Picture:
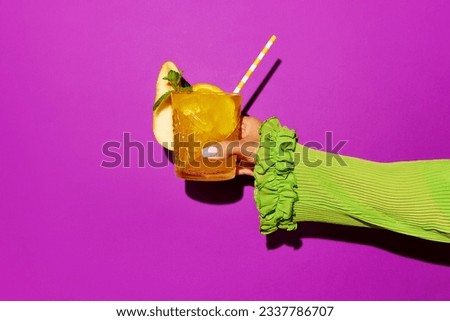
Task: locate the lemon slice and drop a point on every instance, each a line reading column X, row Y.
column 163, row 115
column 204, row 87
column 211, row 117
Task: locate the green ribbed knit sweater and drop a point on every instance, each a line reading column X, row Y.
column 410, row 197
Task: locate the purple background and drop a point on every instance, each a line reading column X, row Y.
column 76, row 74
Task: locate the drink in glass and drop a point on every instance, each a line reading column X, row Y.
column 201, row 119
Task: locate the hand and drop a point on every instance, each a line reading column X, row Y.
column 245, row 148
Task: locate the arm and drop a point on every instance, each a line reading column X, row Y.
column 406, row 197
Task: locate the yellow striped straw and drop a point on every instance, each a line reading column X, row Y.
column 255, row 64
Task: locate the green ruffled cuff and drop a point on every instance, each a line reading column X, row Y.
column 275, row 183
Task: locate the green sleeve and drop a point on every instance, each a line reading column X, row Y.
column 294, row 183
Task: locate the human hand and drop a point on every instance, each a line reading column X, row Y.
column 245, row 148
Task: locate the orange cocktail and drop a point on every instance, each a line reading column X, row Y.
column 202, row 119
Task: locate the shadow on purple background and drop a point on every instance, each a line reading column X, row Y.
column 260, row 87
column 404, row 245
column 222, row 192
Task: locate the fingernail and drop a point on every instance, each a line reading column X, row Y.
column 210, row 151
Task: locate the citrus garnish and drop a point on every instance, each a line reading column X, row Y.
column 204, row 87
column 208, row 112
column 209, row 116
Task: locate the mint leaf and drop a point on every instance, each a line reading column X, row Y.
column 161, row 99
column 177, row 82
column 173, row 77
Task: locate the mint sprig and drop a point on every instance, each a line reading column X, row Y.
column 177, row 82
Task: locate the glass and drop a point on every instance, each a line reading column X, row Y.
column 201, row 119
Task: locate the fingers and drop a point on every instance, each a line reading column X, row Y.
column 243, row 149
column 250, row 128
column 244, row 171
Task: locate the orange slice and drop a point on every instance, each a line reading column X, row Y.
column 204, row 87
column 163, row 115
